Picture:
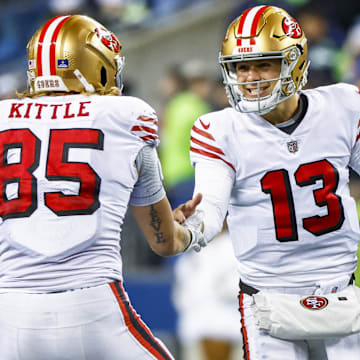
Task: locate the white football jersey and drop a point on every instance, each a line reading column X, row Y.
column 291, row 218
column 67, row 172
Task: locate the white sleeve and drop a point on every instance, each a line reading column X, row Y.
column 355, row 158
column 214, row 181
column 349, row 95
column 355, row 152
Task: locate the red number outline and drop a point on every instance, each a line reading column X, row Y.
column 277, row 184
column 308, row 174
column 58, row 168
column 284, row 216
column 21, row 172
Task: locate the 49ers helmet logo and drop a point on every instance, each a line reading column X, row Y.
column 108, row 39
column 314, row 302
column 291, row 28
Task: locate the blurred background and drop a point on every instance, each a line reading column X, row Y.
column 171, row 49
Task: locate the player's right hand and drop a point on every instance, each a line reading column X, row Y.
column 184, row 211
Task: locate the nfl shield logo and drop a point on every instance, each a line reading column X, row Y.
column 293, row 146
column 63, row 63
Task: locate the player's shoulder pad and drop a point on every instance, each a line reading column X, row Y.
column 346, row 89
column 211, row 122
column 137, row 116
column 344, row 94
column 350, row 95
column 208, row 138
column 128, row 104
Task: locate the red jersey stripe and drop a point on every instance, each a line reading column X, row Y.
column 143, row 128
column 53, row 45
column 211, row 155
column 358, row 137
column 203, row 133
column 207, row 146
column 40, row 43
column 149, row 137
column 148, row 118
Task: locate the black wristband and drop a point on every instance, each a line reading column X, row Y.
column 191, row 238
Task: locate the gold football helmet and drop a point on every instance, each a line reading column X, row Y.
column 74, row 53
column 264, row 32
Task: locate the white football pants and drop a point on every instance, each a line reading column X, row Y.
column 95, row 323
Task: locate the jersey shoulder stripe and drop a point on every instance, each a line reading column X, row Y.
column 211, row 156
column 137, row 116
column 146, row 128
column 203, row 143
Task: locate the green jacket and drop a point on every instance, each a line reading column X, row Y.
column 179, row 117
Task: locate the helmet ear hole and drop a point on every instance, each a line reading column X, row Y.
column 103, row 76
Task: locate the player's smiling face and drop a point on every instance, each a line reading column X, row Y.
column 255, row 70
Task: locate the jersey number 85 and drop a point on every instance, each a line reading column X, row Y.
column 58, row 168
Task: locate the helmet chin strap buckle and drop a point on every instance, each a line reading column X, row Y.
column 88, row 87
column 291, row 88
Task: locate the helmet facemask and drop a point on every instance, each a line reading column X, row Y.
column 120, row 63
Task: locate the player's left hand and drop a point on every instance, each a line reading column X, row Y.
column 184, row 211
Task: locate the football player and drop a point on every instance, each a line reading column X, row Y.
column 74, row 155
column 278, row 162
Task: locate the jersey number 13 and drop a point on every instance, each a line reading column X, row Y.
column 277, row 184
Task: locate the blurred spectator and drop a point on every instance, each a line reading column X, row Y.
column 204, row 297
column 339, row 14
column 218, row 98
column 67, row 7
column 357, row 272
column 178, row 117
column 106, row 10
column 324, row 37
column 351, row 63
column 9, row 83
column 18, row 18
column 124, row 14
column 172, row 83
column 162, row 8
column 288, row 5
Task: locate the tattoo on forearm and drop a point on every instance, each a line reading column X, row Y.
column 156, row 223
column 160, row 237
column 155, row 220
